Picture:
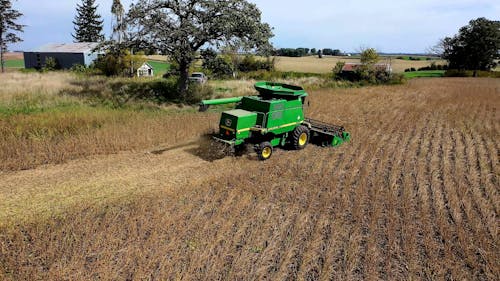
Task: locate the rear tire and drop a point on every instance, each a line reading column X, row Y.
column 264, row 150
column 300, row 137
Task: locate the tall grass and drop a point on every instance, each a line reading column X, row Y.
column 54, row 117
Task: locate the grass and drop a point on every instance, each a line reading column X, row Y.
column 413, row 196
column 15, row 63
column 159, row 67
column 53, row 118
column 424, row 73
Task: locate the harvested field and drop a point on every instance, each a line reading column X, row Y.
column 313, row 64
column 415, row 195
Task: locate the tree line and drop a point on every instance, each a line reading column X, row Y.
column 302, row 52
column 181, row 28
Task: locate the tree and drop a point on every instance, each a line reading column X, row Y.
column 8, row 28
column 119, row 25
column 475, row 47
column 179, row 28
column 88, row 23
column 369, row 56
column 119, row 61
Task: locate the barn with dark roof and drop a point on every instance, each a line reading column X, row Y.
column 66, row 55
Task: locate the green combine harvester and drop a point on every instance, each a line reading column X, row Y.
column 273, row 118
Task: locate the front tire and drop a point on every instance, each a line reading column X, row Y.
column 300, row 137
column 264, row 151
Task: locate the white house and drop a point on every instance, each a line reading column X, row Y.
column 146, row 70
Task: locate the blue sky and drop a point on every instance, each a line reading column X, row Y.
column 387, row 25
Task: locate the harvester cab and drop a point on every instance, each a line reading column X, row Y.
column 273, row 118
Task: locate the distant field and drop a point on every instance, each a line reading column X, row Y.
column 14, row 63
column 424, row 73
column 14, row 60
column 314, row 64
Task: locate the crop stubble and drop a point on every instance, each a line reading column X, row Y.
column 413, row 196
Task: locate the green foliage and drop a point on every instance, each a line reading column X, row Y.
column 119, row 93
column 431, row 67
column 369, row 56
column 198, row 92
column 14, row 63
column 475, row 47
column 250, row 63
column 424, row 73
column 331, row 52
column 290, row 52
column 471, row 73
column 219, row 67
column 337, row 70
column 171, row 32
column 51, row 64
column 88, row 23
column 9, row 29
column 279, row 75
column 119, row 62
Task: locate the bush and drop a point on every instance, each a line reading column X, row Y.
column 337, row 70
column 118, row 93
column 51, row 64
column 198, row 92
column 277, row 75
column 471, row 73
column 434, row 66
column 120, row 62
column 249, row 63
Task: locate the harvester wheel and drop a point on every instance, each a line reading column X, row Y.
column 300, row 137
column 264, row 151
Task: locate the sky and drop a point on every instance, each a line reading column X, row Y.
column 390, row 26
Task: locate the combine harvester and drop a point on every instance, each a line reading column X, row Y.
column 273, row 118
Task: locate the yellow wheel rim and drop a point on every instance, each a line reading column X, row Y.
column 302, row 139
column 266, row 152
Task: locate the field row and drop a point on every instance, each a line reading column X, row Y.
column 415, row 195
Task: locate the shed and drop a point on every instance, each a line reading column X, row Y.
column 66, row 55
column 146, row 70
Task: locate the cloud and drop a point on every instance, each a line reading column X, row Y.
column 389, row 25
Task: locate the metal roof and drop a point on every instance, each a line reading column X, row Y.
column 67, row 48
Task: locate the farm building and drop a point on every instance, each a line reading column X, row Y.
column 146, row 70
column 66, row 55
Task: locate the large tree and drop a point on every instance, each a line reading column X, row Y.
column 119, row 26
column 8, row 28
column 475, row 47
column 179, row 28
column 88, row 23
